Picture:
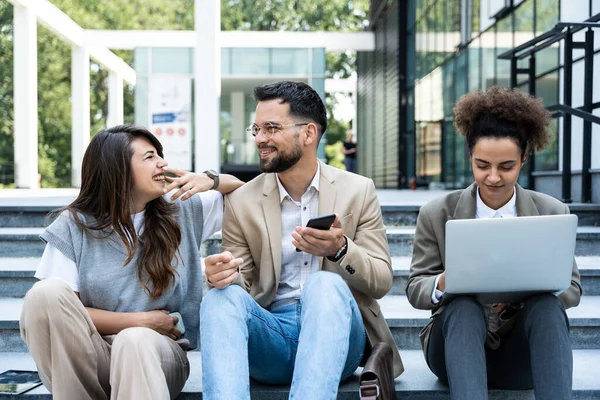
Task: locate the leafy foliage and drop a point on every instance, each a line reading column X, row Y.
column 294, row 15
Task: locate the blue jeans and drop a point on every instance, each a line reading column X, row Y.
column 535, row 353
column 350, row 164
column 313, row 344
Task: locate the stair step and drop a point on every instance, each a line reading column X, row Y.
column 16, row 275
column 20, row 212
column 589, row 269
column 404, row 321
column 416, row 383
column 25, row 242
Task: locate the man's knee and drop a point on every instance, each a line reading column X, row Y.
column 325, row 294
column 323, row 283
column 217, row 302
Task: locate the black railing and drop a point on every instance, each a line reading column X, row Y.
column 564, row 31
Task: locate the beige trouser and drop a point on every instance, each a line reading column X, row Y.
column 75, row 362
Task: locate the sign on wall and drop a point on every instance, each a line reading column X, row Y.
column 170, row 108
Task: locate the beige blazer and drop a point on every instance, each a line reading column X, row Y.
column 252, row 231
column 429, row 252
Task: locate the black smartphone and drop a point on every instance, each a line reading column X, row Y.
column 323, row 223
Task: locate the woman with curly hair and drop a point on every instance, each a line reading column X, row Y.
column 118, row 260
column 506, row 346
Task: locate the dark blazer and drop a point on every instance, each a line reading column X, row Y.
column 252, row 231
column 429, row 251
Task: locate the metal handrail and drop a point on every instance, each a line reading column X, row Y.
column 564, row 31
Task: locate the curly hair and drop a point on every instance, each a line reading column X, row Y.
column 500, row 112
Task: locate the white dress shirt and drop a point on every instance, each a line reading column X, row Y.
column 295, row 266
column 509, row 210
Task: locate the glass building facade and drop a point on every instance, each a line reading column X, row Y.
column 431, row 52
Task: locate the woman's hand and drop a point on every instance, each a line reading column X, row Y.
column 161, row 322
column 441, row 286
column 188, row 183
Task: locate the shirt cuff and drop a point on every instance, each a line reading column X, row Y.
column 436, row 295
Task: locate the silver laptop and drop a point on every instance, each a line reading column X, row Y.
column 504, row 260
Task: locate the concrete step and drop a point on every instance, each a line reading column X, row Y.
column 416, row 383
column 397, row 215
column 16, row 275
column 401, row 241
column 25, row 242
column 404, row 321
column 19, row 213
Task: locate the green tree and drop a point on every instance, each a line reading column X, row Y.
column 54, row 74
column 294, row 15
column 6, row 91
column 54, row 59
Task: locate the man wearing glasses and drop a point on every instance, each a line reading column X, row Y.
column 302, row 306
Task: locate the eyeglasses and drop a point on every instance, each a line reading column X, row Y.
column 268, row 130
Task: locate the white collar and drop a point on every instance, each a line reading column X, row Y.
column 314, row 183
column 508, row 210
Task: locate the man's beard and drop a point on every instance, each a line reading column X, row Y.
column 282, row 162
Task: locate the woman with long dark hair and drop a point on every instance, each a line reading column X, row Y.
column 119, row 261
column 507, row 346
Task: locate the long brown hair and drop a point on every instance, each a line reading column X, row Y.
column 106, row 196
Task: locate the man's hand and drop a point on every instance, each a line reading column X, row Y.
column 161, row 322
column 188, row 183
column 318, row 242
column 222, row 269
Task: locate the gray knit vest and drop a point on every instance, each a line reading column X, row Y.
column 105, row 283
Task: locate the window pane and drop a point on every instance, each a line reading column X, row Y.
column 547, row 88
column 452, row 18
column 524, row 23
column 429, row 143
column 448, row 72
column 172, row 61
column 547, row 159
column 289, row 62
column 449, row 154
column 488, row 58
column 474, row 64
column 475, row 10
column 547, row 17
column 547, row 12
column 249, row 61
column 504, row 42
column 226, row 61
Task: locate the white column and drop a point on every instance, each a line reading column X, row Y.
column 115, row 100
column 355, row 108
column 207, row 85
column 238, row 126
column 80, row 109
column 25, row 97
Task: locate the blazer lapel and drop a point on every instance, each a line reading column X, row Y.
column 525, row 205
column 327, row 194
column 467, row 204
column 272, row 213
